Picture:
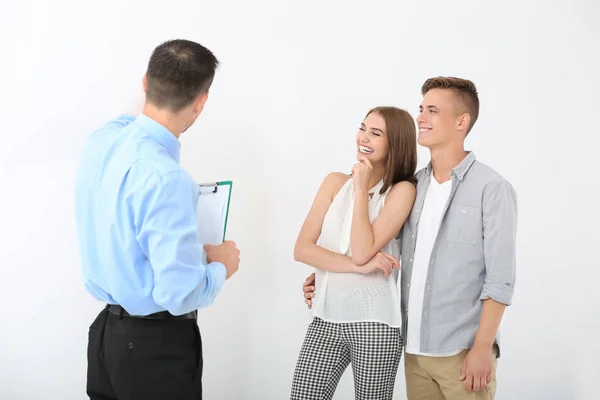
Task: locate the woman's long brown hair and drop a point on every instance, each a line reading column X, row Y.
column 402, row 144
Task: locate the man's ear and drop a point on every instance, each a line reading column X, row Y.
column 463, row 122
column 200, row 101
column 144, row 83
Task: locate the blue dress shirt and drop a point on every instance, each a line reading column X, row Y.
column 136, row 222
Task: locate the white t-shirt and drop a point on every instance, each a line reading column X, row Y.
column 354, row 297
column 429, row 223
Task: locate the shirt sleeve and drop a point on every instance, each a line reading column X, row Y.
column 167, row 231
column 499, row 242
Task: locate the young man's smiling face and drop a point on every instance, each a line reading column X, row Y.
column 442, row 119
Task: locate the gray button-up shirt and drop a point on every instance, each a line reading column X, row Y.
column 473, row 257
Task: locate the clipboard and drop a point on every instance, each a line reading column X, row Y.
column 212, row 211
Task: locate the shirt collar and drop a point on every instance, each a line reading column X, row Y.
column 161, row 134
column 461, row 169
column 376, row 189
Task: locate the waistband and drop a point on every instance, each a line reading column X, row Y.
column 163, row 315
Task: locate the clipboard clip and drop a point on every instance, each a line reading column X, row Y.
column 215, row 184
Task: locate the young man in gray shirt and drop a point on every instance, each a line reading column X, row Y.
column 458, row 255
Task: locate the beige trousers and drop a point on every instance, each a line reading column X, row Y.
column 438, row 378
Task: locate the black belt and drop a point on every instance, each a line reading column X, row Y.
column 163, row 315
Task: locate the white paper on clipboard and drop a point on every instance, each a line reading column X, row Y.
column 212, row 209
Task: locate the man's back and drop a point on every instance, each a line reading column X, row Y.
column 128, row 176
column 139, row 242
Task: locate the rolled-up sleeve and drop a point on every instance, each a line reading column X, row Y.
column 167, row 232
column 499, row 242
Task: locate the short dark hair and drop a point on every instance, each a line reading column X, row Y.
column 464, row 89
column 178, row 72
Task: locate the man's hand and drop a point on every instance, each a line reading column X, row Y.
column 226, row 253
column 477, row 368
column 381, row 262
column 308, row 287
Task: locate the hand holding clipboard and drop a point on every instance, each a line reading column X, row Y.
column 212, row 212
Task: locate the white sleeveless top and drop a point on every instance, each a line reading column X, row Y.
column 354, row 297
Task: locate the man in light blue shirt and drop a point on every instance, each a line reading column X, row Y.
column 138, row 238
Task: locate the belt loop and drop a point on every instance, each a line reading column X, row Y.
column 120, row 313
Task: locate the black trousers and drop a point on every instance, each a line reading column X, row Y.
column 134, row 358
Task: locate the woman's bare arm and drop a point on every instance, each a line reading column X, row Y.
column 366, row 240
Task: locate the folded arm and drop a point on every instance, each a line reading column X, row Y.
column 366, row 239
column 306, row 250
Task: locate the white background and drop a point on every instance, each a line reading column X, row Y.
column 295, row 82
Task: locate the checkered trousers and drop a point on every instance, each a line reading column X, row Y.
column 374, row 350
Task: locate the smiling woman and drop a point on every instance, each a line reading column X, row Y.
column 349, row 238
column 292, row 74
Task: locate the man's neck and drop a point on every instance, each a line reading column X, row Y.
column 444, row 160
column 165, row 118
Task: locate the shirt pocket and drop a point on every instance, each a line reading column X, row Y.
column 463, row 224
